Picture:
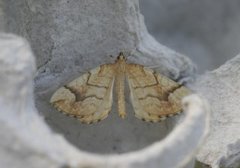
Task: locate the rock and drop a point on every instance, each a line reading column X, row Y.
column 221, row 87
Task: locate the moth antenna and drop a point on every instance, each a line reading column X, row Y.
column 130, row 53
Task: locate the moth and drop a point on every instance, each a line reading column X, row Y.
column 90, row 96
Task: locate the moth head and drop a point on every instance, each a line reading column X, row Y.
column 121, row 57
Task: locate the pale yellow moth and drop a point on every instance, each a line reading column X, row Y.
column 89, row 97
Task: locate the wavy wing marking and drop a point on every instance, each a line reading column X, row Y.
column 154, row 97
column 89, row 97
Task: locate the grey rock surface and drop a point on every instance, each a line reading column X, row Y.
column 28, row 141
column 69, row 38
column 75, row 38
column 84, row 36
column 221, row 88
column 78, row 35
column 17, row 113
column 206, row 31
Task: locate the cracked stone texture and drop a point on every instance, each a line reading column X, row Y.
column 69, row 38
